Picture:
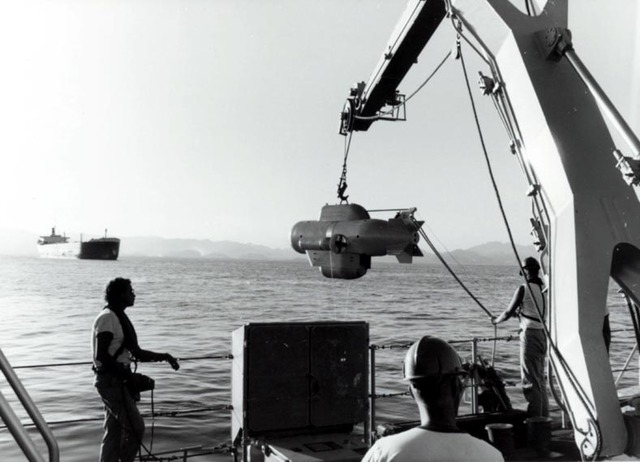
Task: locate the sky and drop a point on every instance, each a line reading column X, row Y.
column 218, row 119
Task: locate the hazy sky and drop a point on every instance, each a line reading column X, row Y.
column 218, row 119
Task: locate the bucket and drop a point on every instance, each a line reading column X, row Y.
column 501, row 436
column 539, row 434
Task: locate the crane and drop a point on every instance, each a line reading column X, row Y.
column 586, row 215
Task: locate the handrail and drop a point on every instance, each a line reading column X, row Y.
column 89, row 363
column 371, row 424
column 15, row 427
column 405, row 345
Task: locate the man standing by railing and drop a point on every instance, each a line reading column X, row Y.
column 115, row 346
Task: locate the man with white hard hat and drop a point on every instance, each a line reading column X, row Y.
column 433, row 369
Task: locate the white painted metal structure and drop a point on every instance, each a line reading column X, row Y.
column 589, row 215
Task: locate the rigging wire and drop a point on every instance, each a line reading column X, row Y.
column 414, row 93
column 455, row 276
column 447, row 251
column 428, row 78
column 486, row 154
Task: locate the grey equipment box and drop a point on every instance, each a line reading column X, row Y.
column 302, row 378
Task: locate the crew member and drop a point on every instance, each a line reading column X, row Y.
column 433, row 369
column 529, row 304
column 114, row 347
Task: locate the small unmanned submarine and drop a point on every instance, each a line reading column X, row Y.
column 345, row 238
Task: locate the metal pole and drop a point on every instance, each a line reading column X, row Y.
column 18, row 431
column 604, row 102
column 474, row 382
column 31, row 408
column 626, row 364
column 372, row 400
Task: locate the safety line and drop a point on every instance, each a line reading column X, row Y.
column 89, row 363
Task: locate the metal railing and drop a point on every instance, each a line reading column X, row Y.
column 473, row 385
column 18, row 431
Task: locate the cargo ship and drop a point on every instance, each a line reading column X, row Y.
column 59, row 246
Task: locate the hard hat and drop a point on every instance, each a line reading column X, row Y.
column 431, row 357
column 531, row 262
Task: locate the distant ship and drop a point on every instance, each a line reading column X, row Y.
column 58, row 246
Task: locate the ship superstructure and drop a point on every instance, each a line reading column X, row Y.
column 57, row 246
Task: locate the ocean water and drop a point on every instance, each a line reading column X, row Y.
column 189, row 307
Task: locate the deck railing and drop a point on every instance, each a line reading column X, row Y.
column 15, row 426
column 26, row 444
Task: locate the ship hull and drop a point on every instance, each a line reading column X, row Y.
column 107, row 248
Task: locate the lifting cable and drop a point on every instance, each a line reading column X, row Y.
column 342, row 183
column 580, row 393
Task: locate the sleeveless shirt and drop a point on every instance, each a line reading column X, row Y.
column 529, row 317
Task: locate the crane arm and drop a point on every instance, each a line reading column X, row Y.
column 417, row 25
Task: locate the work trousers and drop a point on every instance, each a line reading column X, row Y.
column 123, row 424
column 533, row 351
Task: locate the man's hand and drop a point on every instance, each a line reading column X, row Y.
column 173, row 362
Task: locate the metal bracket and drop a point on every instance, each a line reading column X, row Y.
column 488, row 85
column 629, row 167
column 554, row 42
column 351, row 106
column 537, row 233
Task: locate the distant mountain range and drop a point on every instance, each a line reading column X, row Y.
column 21, row 243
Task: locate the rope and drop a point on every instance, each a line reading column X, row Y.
column 486, row 154
column 455, row 276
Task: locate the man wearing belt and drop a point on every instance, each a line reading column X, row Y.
column 114, row 346
column 529, row 305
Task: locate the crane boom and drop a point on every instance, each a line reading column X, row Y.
column 418, row 23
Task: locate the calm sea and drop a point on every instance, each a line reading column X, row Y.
column 189, row 307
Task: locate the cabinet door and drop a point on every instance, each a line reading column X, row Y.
column 277, row 392
column 338, row 374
